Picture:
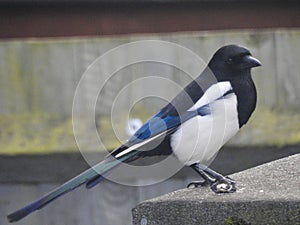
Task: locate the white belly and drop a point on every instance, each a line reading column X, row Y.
column 200, row 138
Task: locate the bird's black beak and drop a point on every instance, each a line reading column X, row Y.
column 250, row 62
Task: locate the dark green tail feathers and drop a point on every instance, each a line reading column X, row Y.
column 89, row 177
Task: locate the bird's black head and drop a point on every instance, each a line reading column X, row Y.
column 232, row 61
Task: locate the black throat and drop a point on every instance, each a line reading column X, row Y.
column 244, row 88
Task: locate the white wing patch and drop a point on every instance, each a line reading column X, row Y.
column 200, row 138
column 212, row 93
column 138, row 145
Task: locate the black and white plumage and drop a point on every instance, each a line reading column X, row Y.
column 193, row 126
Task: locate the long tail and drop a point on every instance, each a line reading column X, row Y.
column 85, row 177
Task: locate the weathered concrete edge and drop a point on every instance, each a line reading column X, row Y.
column 274, row 212
column 267, row 194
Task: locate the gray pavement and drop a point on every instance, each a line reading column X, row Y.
column 267, row 194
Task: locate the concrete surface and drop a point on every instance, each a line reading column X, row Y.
column 267, row 194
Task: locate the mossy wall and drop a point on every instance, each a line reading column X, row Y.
column 38, row 79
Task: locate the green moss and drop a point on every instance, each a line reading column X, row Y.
column 270, row 128
column 32, row 133
column 14, row 75
column 235, row 221
column 107, row 134
column 256, row 39
column 44, row 133
column 113, row 133
column 21, row 83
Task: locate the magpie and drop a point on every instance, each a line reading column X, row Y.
column 193, row 126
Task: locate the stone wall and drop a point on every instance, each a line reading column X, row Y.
column 38, row 79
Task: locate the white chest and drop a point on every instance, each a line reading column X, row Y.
column 200, row 138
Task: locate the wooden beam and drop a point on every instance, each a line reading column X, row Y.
column 59, row 20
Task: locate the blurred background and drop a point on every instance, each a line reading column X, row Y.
column 45, row 48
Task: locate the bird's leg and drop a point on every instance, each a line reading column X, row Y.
column 218, row 183
column 207, row 180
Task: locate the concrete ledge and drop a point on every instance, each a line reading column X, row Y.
column 267, row 194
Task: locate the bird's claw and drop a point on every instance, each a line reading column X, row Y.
column 196, row 184
column 226, row 185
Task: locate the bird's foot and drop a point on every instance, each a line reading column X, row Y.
column 196, row 184
column 223, row 185
column 218, row 183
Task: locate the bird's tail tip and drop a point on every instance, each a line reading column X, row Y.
column 14, row 217
column 18, row 215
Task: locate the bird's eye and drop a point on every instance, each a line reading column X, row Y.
column 229, row 60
